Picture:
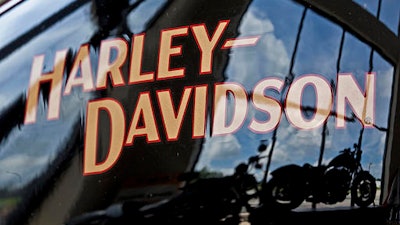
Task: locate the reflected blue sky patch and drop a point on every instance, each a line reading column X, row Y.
column 47, row 43
column 17, row 157
column 17, row 23
column 139, row 18
column 318, row 53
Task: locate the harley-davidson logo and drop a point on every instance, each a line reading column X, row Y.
column 113, row 55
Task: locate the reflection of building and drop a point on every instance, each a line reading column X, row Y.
column 342, row 20
column 382, row 40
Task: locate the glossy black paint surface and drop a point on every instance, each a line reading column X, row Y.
column 42, row 178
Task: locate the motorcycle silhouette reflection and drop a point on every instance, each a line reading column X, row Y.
column 216, row 200
column 290, row 185
column 220, row 200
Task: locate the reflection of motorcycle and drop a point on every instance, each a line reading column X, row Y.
column 216, row 200
column 329, row 184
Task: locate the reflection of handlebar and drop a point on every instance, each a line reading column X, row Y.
column 261, row 157
column 256, row 158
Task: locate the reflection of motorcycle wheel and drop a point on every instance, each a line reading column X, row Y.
column 363, row 190
column 284, row 193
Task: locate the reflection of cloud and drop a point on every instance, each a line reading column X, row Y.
column 18, row 155
column 268, row 58
column 19, row 168
column 224, row 147
column 296, row 137
column 217, row 148
column 2, row 99
column 255, row 22
column 297, row 146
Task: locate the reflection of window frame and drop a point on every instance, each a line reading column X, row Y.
column 352, row 17
column 361, row 23
column 39, row 28
column 6, row 5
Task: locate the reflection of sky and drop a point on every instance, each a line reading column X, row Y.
column 317, row 54
column 17, row 155
column 19, row 162
column 11, row 24
column 137, row 20
column 318, row 50
column 19, row 62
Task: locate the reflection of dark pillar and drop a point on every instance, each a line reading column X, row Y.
column 392, row 154
column 322, row 149
column 288, row 81
column 109, row 13
column 12, row 117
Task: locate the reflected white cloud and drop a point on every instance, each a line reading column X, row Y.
column 3, row 98
column 16, row 170
column 17, row 155
column 297, row 146
column 268, row 58
column 217, row 148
